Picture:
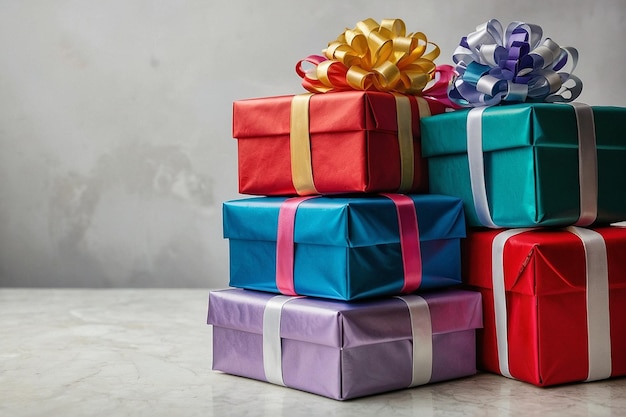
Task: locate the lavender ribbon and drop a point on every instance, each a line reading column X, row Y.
column 494, row 66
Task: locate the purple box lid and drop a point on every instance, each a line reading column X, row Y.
column 345, row 324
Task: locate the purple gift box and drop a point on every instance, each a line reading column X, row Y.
column 342, row 349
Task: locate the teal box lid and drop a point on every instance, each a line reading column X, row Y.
column 518, row 125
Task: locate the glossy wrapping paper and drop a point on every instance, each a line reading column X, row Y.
column 545, row 283
column 344, row 350
column 353, row 143
column 531, row 163
column 346, row 248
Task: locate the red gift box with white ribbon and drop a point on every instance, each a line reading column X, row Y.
column 554, row 302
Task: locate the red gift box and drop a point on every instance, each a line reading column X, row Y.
column 554, row 302
column 354, row 146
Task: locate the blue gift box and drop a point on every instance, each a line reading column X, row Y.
column 345, row 247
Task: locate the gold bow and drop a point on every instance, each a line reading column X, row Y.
column 377, row 57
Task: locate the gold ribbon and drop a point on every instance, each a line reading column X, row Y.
column 300, row 145
column 405, row 142
column 300, row 142
column 379, row 57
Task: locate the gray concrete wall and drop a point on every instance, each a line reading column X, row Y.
column 115, row 117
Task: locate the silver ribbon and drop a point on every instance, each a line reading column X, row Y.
column 499, row 297
column 587, row 164
column 598, row 317
column 422, row 336
column 272, row 345
column 477, row 166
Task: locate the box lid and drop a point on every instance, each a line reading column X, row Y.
column 517, row 125
column 344, row 221
column 344, row 324
column 339, row 111
column 543, row 261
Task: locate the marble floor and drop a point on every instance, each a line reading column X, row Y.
column 120, row 352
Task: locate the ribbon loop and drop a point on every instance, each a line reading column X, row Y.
column 510, row 59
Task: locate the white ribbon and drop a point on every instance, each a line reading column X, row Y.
column 598, row 318
column 422, row 336
column 272, row 345
column 587, row 165
column 477, row 165
column 499, row 297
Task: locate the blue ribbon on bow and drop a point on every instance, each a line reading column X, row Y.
column 515, row 65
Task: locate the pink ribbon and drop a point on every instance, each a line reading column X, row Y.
column 285, row 244
column 409, row 241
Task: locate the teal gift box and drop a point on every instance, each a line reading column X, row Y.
column 344, row 247
column 530, row 164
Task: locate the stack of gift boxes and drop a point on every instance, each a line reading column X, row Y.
column 352, row 271
column 541, row 183
column 362, row 257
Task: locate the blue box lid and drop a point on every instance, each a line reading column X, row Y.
column 344, row 220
